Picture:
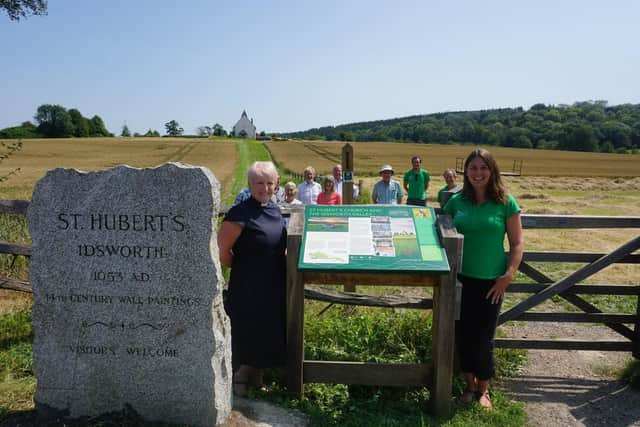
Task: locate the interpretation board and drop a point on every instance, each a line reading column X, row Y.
column 128, row 295
column 389, row 238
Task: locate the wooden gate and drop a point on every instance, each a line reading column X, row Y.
column 570, row 287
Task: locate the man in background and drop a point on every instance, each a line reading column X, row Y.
column 387, row 191
column 337, row 175
column 416, row 182
column 308, row 189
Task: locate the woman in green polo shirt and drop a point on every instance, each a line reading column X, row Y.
column 483, row 212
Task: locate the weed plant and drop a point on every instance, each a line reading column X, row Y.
column 13, row 229
column 383, row 336
column 17, row 379
column 631, row 373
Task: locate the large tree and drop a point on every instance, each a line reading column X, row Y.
column 17, row 9
column 97, row 127
column 218, row 130
column 80, row 123
column 54, row 121
column 578, row 137
column 173, row 128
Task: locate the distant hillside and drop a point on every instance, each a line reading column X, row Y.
column 583, row 126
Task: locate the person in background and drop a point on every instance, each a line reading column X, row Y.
column 290, row 191
column 483, row 212
column 337, row 175
column 278, row 194
column 387, row 191
column 416, row 183
column 451, row 184
column 252, row 241
column 308, row 189
column 329, row 196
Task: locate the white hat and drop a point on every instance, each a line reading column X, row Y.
column 386, row 168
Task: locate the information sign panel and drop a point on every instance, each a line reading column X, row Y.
column 371, row 238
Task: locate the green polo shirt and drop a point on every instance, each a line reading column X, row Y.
column 415, row 183
column 483, row 227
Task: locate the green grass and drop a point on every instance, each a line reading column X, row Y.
column 16, row 333
column 13, row 228
column 384, row 336
column 17, row 379
column 248, row 151
column 367, row 335
column 631, row 373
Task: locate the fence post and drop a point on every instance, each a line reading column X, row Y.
column 347, row 171
column 444, row 314
column 295, row 306
column 347, row 187
column 636, row 329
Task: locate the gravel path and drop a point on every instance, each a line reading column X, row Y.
column 573, row 387
column 257, row 413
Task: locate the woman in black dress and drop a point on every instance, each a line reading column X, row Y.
column 252, row 241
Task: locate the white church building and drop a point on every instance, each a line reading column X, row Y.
column 245, row 127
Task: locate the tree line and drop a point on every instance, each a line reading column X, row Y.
column 55, row 121
column 584, row 126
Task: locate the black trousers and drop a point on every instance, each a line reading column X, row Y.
column 477, row 328
column 417, row 202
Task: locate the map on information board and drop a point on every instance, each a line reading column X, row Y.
column 371, row 238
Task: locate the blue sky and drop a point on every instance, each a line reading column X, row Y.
column 294, row 65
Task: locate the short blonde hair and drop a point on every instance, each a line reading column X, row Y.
column 309, row 169
column 291, row 186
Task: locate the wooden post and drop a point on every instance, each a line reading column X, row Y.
column 295, row 306
column 636, row 338
column 347, row 187
column 347, row 174
column 444, row 314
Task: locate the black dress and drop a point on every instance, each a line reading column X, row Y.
column 256, row 297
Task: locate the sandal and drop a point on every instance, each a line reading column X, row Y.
column 467, row 397
column 262, row 388
column 485, row 401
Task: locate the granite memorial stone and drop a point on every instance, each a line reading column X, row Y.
column 128, row 304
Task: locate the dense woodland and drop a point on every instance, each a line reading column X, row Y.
column 583, row 126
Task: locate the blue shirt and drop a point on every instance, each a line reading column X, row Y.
column 387, row 194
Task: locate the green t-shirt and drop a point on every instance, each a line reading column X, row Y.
column 483, row 227
column 415, row 183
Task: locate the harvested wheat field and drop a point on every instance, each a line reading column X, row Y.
column 90, row 154
column 368, row 156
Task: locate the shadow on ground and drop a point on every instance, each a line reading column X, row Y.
column 556, row 400
column 245, row 413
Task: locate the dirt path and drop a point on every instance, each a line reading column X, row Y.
column 573, row 387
